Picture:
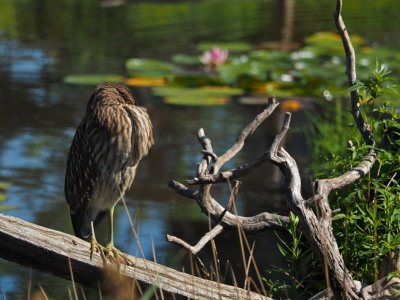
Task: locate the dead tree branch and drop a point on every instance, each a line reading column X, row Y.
column 201, row 243
column 206, row 175
column 230, row 153
column 317, row 228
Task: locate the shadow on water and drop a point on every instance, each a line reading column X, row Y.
column 42, row 41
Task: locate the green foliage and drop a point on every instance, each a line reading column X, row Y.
column 378, row 84
column 368, row 226
column 298, row 276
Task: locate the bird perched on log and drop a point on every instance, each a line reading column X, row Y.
column 113, row 136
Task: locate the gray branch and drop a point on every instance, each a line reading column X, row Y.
column 230, row 153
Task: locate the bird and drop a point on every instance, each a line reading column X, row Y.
column 111, row 139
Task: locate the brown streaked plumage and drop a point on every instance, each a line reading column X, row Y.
column 111, row 139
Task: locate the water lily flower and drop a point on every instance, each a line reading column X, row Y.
column 214, row 58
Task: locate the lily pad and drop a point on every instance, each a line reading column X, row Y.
column 207, row 95
column 187, row 60
column 147, row 67
column 145, row 82
column 195, row 79
column 196, row 101
column 323, row 38
column 219, row 91
column 92, row 79
column 231, row 47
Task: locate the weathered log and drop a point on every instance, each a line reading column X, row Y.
column 50, row 251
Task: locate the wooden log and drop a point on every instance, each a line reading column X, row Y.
column 49, row 250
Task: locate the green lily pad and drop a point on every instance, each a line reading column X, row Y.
column 196, row 101
column 328, row 37
column 231, row 47
column 207, row 95
column 188, row 60
column 147, row 67
column 92, row 79
column 194, row 80
column 217, row 91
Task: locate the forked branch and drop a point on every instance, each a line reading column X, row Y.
column 209, row 174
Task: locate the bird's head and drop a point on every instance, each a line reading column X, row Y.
column 110, row 93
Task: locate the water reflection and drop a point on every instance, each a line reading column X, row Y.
column 42, row 41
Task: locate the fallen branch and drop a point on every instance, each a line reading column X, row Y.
column 49, row 251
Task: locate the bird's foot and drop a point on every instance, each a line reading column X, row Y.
column 95, row 246
column 113, row 253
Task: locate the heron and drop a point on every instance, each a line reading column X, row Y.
column 111, row 139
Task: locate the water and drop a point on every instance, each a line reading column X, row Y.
column 43, row 41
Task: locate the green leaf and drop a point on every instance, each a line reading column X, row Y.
column 147, row 67
column 338, row 217
column 184, row 59
column 92, row 79
column 207, row 95
column 282, row 251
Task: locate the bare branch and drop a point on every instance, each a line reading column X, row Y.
column 351, row 75
column 206, row 145
column 246, row 168
column 272, row 104
column 230, row 174
column 280, row 135
column 211, row 234
column 318, row 231
column 325, row 186
column 201, row 243
column 252, row 224
column 182, row 189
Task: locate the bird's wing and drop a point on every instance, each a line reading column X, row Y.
column 80, row 177
column 142, row 131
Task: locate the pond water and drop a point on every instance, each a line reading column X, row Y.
column 43, row 41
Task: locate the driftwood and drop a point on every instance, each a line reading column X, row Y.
column 315, row 225
column 53, row 252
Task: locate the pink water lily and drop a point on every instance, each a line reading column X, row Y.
column 214, row 58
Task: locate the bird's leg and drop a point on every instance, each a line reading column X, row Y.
column 110, row 247
column 95, row 245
